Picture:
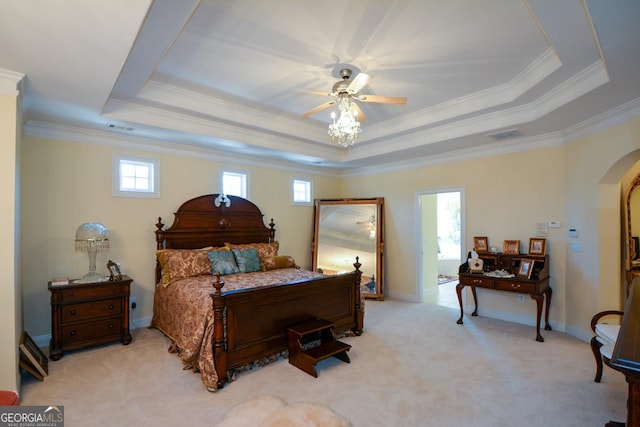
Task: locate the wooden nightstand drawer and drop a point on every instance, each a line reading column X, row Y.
column 86, row 314
column 93, row 310
column 479, row 280
column 515, row 286
column 91, row 330
column 94, row 291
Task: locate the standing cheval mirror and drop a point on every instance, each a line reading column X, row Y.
column 632, row 232
column 348, row 228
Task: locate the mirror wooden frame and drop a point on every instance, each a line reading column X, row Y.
column 378, row 283
column 629, row 244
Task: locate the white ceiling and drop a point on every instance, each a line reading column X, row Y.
column 230, row 77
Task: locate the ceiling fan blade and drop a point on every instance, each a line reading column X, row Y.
column 318, row 108
column 360, row 81
column 361, row 117
column 319, row 92
column 399, row 100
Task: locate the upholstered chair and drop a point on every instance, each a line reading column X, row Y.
column 604, row 339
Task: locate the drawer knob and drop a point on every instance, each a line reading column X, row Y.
column 110, row 325
column 477, row 281
column 110, row 306
column 73, row 333
column 73, row 312
column 515, row 286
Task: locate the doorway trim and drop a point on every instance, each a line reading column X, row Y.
column 419, row 228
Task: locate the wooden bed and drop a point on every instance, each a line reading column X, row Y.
column 250, row 324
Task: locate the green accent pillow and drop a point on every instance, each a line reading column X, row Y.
column 247, row 260
column 223, row 262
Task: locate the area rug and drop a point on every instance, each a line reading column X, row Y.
column 272, row 411
column 442, row 279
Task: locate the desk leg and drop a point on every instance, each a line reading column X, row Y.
column 475, row 301
column 539, row 299
column 459, row 288
column 547, row 326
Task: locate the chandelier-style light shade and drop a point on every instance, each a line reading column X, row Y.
column 92, row 238
column 345, row 130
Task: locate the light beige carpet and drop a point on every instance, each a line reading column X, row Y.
column 412, row 366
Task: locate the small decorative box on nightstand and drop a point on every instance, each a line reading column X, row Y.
column 86, row 314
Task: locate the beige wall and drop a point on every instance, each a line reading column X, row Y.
column 10, row 290
column 66, row 184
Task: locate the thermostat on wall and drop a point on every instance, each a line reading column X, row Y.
column 573, row 232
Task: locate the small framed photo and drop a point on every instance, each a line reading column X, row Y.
column 481, row 244
column 114, row 271
column 526, row 267
column 511, row 247
column 537, row 246
column 32, row 359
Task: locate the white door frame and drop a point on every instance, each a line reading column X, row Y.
column 419, row 226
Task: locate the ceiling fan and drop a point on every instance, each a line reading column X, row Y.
column 347, row 88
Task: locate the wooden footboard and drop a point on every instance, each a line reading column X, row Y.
column 252, row 324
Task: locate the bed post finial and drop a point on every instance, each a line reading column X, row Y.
column 219, row 338
column 272, row 231
column 159, row 233
column 359, row 314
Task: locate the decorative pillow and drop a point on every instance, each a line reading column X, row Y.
column 265, row 250
column 223, row 262
column 181, row 263
column 281, row 261
column 247, row 260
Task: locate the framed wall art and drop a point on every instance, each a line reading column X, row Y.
column 481, row 244
column 511, row 247
column 537, row 246
column 32, row 359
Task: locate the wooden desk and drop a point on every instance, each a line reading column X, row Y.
column 626, row 355
column 536, row 288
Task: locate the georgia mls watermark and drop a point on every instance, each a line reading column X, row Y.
column 31, row 416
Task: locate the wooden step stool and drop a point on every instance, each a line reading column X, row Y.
column 318, row 329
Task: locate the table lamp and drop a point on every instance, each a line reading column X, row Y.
column 92, row 238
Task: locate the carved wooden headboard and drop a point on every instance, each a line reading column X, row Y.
column 208, row 221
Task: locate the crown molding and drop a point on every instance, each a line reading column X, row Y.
column 609, row 119
column 10, row 82
column 534, row 74
column 216, row 132
column 48, row 130
column 226, row 110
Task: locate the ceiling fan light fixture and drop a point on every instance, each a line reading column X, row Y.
column 346, row 128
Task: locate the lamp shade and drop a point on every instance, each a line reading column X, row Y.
column 92, row 238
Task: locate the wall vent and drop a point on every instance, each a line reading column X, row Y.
column 505, row 134
column 119, row 127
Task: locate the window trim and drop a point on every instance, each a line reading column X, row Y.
column 115, row 177
column 303, row 203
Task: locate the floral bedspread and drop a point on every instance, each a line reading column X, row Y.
column 183, row 311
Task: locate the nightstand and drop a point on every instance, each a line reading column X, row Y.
column 86, row 314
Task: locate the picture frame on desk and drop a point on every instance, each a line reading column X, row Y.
column 511, row 247
column 526, row 268
column 481, row 244
column 114, row 271
column 537, row 246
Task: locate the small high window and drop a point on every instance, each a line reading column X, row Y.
column 135, row 177
column 301, row 191
column 234, row 183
